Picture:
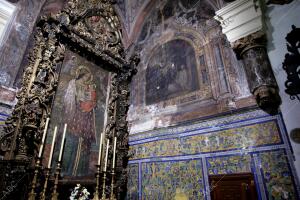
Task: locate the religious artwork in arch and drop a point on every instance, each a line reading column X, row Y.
column 171, row 71
column 79, row 102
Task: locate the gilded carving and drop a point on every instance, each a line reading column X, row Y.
column 91, row 29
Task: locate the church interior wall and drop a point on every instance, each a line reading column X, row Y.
column 177, row 160
column 167, row 148
column 281, row 19
column 212, row 125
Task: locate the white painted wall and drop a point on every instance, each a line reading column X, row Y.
column 279, row 20
column 7, row 11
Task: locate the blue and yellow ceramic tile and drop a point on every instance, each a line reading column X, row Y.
column 235, row 138
column 277, row 176
column 172, row 180
column 229, row 164
column 133, row 182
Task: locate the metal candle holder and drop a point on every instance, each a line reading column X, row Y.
column 55, row 194
column 96, row 194
column 43, row 194
column 32, row 194
column 112, row 195
column 103, row 187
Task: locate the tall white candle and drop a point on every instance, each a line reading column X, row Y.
column 114, row 155
column 106, row 156
column 106, row 102
column 44, row 137
column 100, row 149
column 52, row 147
column 62, row 143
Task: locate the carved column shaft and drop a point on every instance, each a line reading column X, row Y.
column 261, row 80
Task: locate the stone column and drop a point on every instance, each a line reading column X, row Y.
column 242, row 22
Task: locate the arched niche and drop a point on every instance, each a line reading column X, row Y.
column 171, row 71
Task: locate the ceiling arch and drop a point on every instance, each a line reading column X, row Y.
column 204, row 8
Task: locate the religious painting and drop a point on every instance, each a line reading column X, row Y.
column 171, row 71
column 80, row 103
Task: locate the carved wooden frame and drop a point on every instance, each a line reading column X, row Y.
column 54, row 34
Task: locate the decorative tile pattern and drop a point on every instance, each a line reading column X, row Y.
column 3, row 117
column 236, row 138
column 174, row 157
column 277, row 176
column 133, row 182
column 172, row 180
column 229, row 164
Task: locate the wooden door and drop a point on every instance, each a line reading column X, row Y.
column 232, row 187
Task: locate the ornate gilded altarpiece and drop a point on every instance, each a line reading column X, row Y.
column 89, row 30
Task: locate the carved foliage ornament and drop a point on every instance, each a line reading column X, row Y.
column 24, row 128
column 291, row 63
column 93, row 23
column 91, row 29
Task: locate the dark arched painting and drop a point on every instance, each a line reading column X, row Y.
column 171, row 71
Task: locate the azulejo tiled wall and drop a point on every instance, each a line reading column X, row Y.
column 3, row 118
column 178, row 178
column 175, row 162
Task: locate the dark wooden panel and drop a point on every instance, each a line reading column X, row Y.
column 233, row 187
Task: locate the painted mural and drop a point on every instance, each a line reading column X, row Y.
column 79, row 102
column 13, row 49
column 277, row 176
column 187, row 68
column 244, row 137
column 171, row 71
column 172, row 180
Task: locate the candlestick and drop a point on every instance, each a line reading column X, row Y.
column 100, row 150
column 104, row 186
column 32, row 194
column 62, row 143
column 112, row 195
column 106, row 156
column 55, row 194
column 43, row 194
column 114, row 155
column 44, row 137
column 52, row 147
column 96, row 193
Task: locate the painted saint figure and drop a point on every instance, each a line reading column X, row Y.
column 80, row 101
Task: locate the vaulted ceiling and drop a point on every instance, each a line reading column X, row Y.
column 135, row 14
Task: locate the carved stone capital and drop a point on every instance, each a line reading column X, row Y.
column 257, row 39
